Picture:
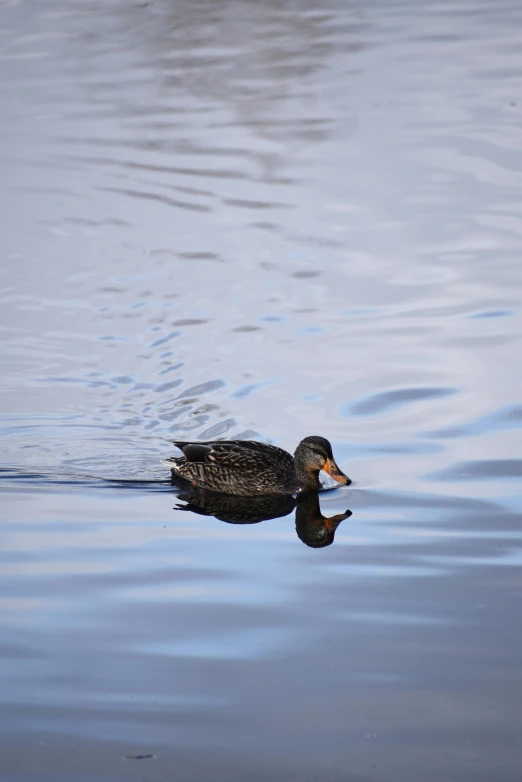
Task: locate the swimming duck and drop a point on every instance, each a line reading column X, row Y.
column 247, row 467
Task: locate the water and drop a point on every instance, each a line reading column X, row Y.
column 261, row 220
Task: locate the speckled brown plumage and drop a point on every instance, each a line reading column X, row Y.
column 248, row 468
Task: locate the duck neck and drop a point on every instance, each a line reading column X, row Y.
column 307, row 478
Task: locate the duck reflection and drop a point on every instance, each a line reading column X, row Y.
column 314, row 529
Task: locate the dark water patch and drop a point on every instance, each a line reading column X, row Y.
column 349, row 451
column 218, row 430
column 493, row 314
column 46, row 429
column 305, row 275
column 247, row 390
column 163, row 199
column 265, row 225
column 202, row 388
column 195, row 423
column 172, row 368
column 162, row 387
column 164, row 340
column 142, row 756
column 481, row 470
column 249, row 204
column 163, row 252
column 357, row 312
column 116, row 338
column 204, row 173
column 96, row 223
column 143, row 387
column 444, row 507
column 506, row 418
column 199, row 256
column 381, row 403
column 311, row 330
column 61, row 479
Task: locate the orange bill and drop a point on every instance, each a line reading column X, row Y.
column 332, row 469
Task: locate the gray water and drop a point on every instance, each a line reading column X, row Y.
column 266, row 220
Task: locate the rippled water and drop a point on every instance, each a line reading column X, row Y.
column 262, row 220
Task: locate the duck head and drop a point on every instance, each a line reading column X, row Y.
column 312, row 455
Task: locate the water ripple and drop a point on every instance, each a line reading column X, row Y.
column 260, row 220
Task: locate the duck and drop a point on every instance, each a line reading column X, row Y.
column 250, row 468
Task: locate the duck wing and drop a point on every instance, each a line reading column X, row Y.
column 239, row 454
column 235, row 466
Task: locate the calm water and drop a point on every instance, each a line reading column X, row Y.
column 264, row 220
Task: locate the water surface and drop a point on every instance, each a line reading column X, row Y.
column 271, row 220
